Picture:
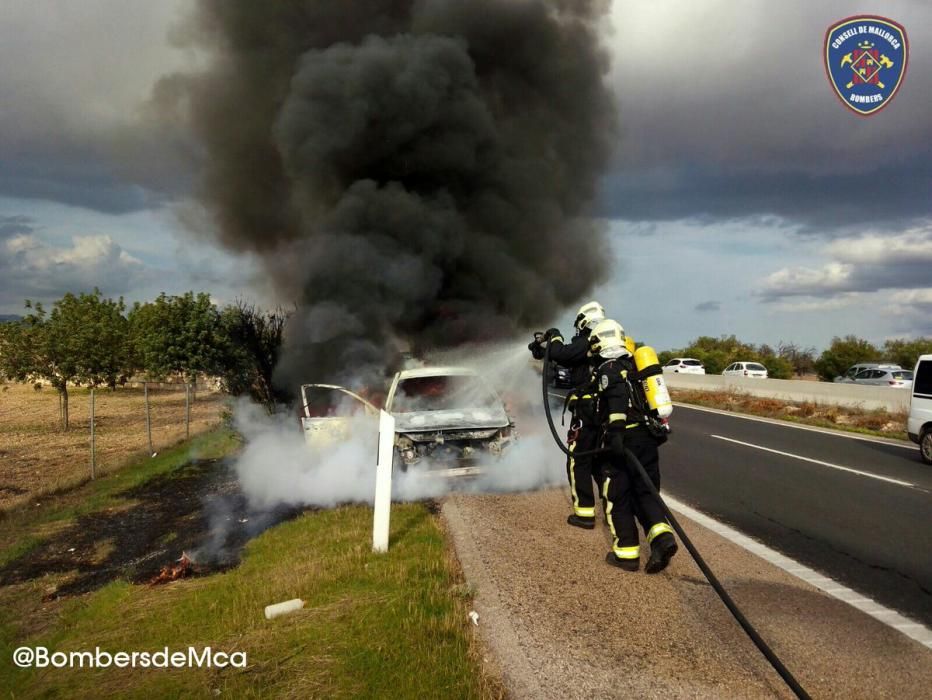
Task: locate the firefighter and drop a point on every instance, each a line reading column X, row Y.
column 624, row 417
column 583, row 434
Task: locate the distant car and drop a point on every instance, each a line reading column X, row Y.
column 684, row 365
column 898, row 378
column 746, row 369
column 919, row 423
column 561, row 377
column 854, row 369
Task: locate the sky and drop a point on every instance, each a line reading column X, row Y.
column 744, row 198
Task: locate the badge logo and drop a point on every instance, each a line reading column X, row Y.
column 865, row 60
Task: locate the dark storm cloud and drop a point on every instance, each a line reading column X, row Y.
column 728, row 113
column 76, row 180
column 15, row 226
column 707, row 306
column 887, row 193
column 73, row 79
column 407, row 170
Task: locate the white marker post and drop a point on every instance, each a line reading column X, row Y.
column 383, row 483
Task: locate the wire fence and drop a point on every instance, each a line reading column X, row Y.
column 107, row 429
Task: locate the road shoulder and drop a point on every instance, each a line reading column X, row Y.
column 561, row 623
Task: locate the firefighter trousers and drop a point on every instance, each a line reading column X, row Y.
column 625, row 495
column 581, row 471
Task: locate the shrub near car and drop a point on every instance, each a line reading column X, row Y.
column 746, row 369
column 684, row 365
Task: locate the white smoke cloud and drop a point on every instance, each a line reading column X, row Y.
column 277, row 467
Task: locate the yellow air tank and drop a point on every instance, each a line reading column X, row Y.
column 629, row 343
column 655, row 388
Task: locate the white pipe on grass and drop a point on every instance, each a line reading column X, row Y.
column 278, row 609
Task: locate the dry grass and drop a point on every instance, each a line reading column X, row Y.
column 37, row 457
column 876, row 422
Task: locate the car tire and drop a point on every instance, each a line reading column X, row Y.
column 925, row 445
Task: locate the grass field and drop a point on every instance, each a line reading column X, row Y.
column 878, row 422
column 37, row 457
column 393, row 625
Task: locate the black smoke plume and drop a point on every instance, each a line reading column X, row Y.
column 407, row 170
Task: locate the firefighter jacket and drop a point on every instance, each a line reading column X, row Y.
column 576, row 357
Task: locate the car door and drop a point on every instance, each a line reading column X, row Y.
column 329, row 413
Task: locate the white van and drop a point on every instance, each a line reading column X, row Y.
column 919, row 424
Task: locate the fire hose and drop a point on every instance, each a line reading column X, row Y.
column 768, row 653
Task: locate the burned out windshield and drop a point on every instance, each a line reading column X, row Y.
column 442, row 393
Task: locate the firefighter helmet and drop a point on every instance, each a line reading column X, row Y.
column 607, row 340
column 589, row 315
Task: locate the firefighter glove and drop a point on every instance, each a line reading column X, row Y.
column 537, row 350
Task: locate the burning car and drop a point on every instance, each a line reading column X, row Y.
column 447, row 418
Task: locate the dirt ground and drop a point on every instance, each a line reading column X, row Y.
column 559, row 622
column 199, row 511
column 37, row 457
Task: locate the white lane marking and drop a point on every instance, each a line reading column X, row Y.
column 818, row 461
column 787, row 424
column 891, row 618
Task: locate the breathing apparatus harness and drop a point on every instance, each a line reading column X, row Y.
column 768, row 653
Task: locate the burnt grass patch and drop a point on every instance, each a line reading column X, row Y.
column 197, row 510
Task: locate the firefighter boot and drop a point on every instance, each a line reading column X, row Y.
column 662, row 550
column 580, row 521
column 626, row 564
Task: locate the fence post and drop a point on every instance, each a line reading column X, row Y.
column 145, row 387
column 93, row 446
column 381, row 511
column 187, row 411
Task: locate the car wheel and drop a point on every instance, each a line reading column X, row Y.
column 925, row 445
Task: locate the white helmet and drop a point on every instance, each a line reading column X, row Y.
column 607, row 340
column 589, row 315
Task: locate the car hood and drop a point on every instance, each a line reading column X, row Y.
column 460, row 419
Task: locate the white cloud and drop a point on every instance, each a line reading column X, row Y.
column 30, row 268
column 912, row 245
column 865, row 263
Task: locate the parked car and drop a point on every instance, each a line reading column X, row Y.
column 561, row 377
column 684, row 365
column 898, row 378
column 853, row 370
column 919, row 423
column 746, row 369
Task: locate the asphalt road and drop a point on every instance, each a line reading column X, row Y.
column 865, row 521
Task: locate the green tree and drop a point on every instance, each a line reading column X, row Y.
column 177, row 335
column 842, row 353
column 252, row 345
column 905, row 353
column 83, row 340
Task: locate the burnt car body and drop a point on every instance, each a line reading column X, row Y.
column 447, row 419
